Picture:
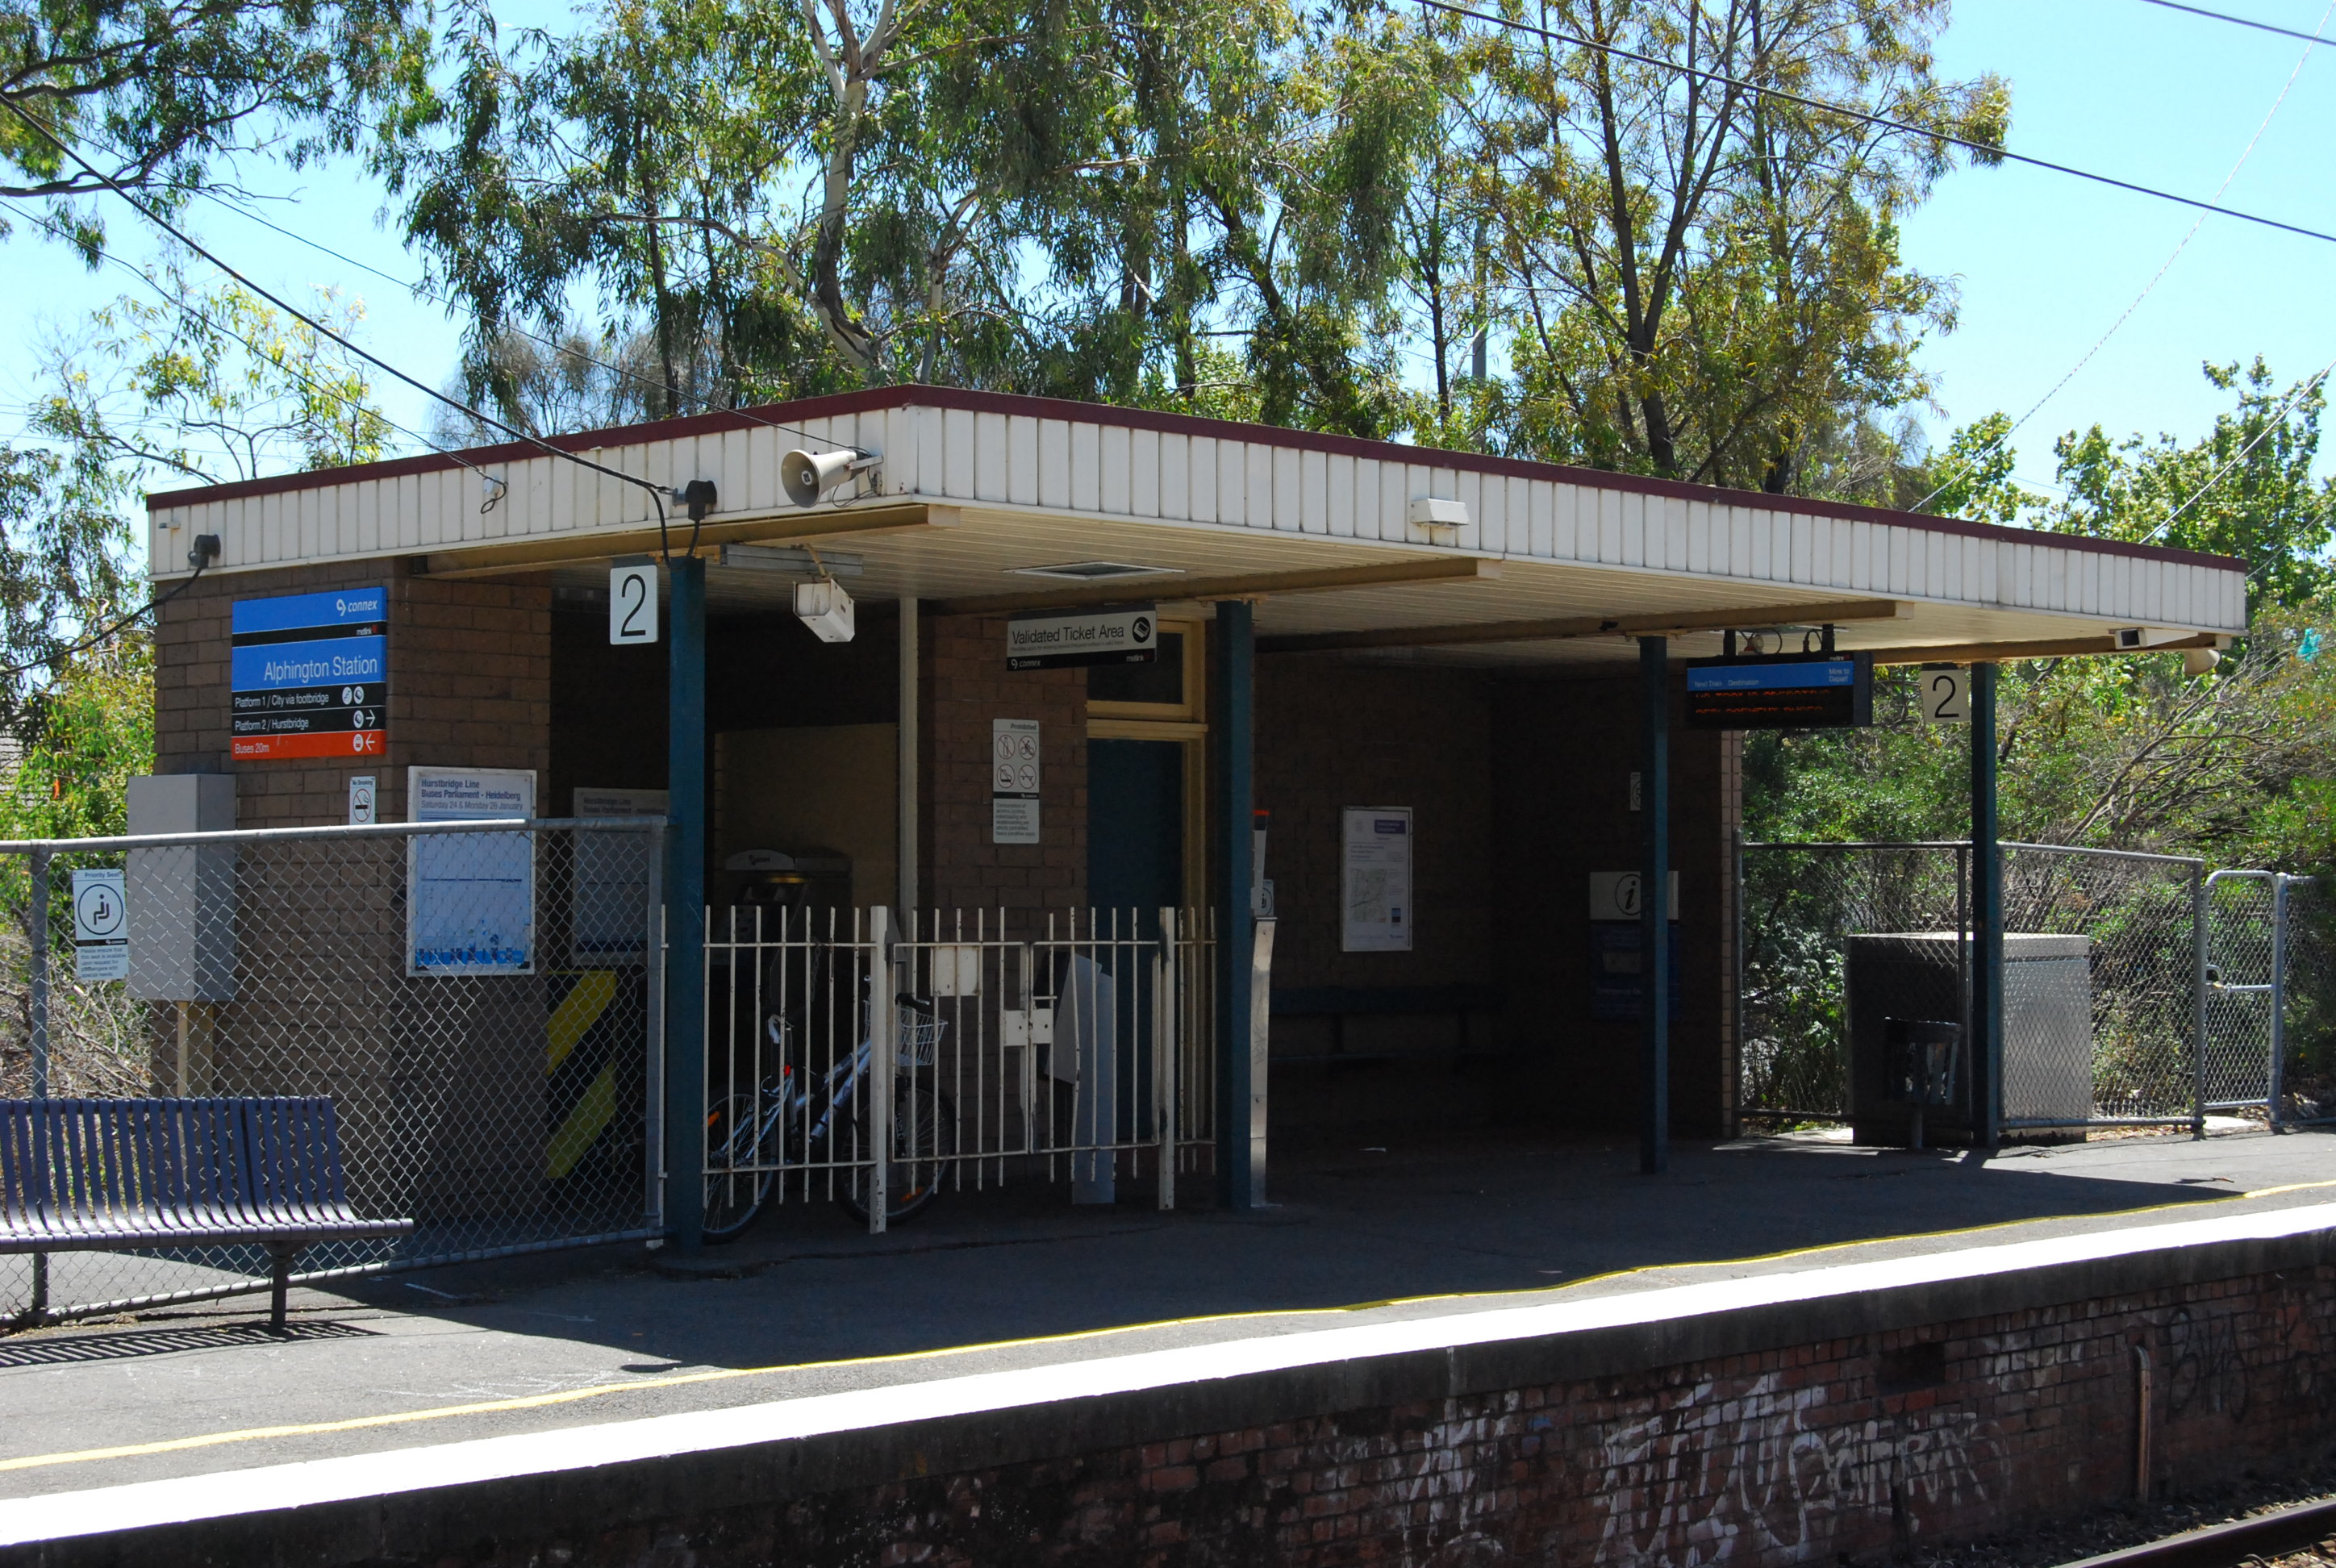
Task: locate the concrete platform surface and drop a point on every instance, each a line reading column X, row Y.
column 996, row 1281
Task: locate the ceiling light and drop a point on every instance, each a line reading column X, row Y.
column 1096, row 570
column 788, row 558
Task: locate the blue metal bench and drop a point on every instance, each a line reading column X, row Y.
column 119, row 1176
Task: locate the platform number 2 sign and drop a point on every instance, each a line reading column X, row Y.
column 632, row 603
column 1945, row 693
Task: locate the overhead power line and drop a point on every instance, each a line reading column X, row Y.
column 656, row 492
column 705, row 404
column 1869, row 117
column 2238, row 21
column 2150, row 287
column 2278, row 421
column 185, row 307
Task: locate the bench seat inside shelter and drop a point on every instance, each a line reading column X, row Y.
column 1340, row 1003
column 119, row 1176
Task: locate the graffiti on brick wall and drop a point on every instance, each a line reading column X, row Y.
column 2205, row 1371
column 1717, row 1471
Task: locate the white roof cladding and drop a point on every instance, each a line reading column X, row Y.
column 1037, row 459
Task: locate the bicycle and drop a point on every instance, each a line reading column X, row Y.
column 820, row 1116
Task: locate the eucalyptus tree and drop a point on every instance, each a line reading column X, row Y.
column 1075, row 197
column 1699, row 272
column 167, row 97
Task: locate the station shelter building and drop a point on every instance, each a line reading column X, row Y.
column 1351, row 637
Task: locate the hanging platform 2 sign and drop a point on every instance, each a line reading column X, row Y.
column 309, row 674
column 1781, row 691
column 1129, row 635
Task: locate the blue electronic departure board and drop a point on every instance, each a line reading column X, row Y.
column 1781, row 691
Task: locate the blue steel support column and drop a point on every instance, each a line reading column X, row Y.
column 685, row 882
column 1655, row 904
column 1984, row 1054
column 1231, row 712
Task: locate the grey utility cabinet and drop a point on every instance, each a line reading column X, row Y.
column 2048, row 1031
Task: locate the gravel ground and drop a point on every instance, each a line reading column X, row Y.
column 2254, row 1492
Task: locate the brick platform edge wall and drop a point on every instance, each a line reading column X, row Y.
column 1850, row 1412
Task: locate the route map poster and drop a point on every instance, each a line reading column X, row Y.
column 1375, row 879
column 308, row 674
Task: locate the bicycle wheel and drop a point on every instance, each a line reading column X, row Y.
column 734, row 1189
column 924, row 1136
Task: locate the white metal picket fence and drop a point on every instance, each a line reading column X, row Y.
column 1077, row 1045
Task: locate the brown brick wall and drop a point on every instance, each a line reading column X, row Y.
column 964, row 687
column 1837, row 1449
column 1566, row 752
column 470, row 686
column 1519, row 790
column 1332, row 735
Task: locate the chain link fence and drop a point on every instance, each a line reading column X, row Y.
column 2137, row 988
column 475, row 999
column 2306, row 1091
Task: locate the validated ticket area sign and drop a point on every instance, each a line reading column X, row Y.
column 1780, row 691
column 309, row 674
column 1129, row 635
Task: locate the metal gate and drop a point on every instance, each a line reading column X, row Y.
column 1077, row 1048
column 2267, row 977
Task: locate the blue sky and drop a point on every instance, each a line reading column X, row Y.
column 2044, row 264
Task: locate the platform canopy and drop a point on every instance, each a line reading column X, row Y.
column 986, row 502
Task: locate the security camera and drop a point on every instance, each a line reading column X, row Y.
column 808, row 475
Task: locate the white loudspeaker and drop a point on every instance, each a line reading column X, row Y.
column 808, row 475
column 826, row 609
column 2197, row 661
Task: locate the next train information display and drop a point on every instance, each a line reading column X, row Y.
column 309, row 674
column 1780, row 691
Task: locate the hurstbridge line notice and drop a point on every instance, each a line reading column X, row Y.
column 309, row 674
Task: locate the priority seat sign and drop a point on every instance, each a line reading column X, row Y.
column 309, row 674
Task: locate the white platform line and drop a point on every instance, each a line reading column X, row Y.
column 353, row 1477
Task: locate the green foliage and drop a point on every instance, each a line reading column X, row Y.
column 97, row 734
column 220, row 387
column 783, row 200
column 2246, row 490
column 1701, row 280
column 163, row 96
column 209, row 386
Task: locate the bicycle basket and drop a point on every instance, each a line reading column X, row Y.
column 921, row 1037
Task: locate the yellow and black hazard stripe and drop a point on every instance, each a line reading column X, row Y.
column 592, row 1058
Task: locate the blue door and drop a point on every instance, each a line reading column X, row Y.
column 1135, row 827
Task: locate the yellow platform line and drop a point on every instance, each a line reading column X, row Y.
column 727, row 1374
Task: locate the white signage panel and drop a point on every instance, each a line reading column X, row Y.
column 1126, row 635
column 612, row 877
column 1943, row 693
column 363, row 799
column 101, row 927
column 1375, row 879
column 1615, row 895
column 470, row 898
column 632, row 603
column 1014, row 763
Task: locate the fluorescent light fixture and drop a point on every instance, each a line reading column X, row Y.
column 825, row 608
column 788, row 558
column 1096, row 570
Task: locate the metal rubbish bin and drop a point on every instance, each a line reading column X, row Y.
column 2048, row 1031
column 1924, row 1066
